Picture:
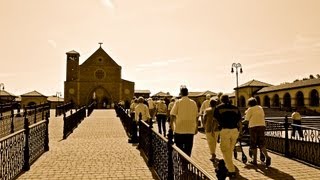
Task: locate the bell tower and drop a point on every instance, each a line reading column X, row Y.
column 72, row 65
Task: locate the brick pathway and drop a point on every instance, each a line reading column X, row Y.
column 97, row 149
column 281, row 167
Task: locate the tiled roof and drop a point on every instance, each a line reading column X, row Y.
column 208, row 92
column 6, row 93
column 142, row 91
column 297, row 84
column 55, row 99
column 254, row 83
column 204, row 93
column 233, row 94
column 72, row 52
column 195, row 94
column 162, row 94
column 33, row 93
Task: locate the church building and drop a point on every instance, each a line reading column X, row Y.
column 96, row 79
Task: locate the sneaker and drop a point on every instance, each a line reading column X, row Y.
column 268, row 161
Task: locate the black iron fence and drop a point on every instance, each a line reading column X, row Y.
column 72, row 121
column 28, row 141
column 167, row 160
column 128, row 123
column 62, row 109
column 279, row 138
column 13, row 122
column 91, row 107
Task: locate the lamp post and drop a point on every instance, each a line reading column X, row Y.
column 236, row 66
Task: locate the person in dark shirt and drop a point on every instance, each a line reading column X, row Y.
column 229, row 119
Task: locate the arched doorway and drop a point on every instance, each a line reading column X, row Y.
column 242, row 102
column 314, row 98
column 276, row 101
column 300, row 99
column 266, row 101
column 287, row 100
column 101, row 97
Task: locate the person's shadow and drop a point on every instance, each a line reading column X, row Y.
column 269, row 171
column 238, row 177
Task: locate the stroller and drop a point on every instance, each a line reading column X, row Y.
column 243, row 141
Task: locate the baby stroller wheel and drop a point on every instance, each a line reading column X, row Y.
column 244, row 158
column 235, row 154
column 262, row 157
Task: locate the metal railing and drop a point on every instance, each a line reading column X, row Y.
column 62, row 109
column 72, row 121
column 167, row 160
column 22, row 147
column 279, row 138
column 90, row 108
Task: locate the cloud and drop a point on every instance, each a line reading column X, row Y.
column 108, row 3
column 52, row 43
column 6, row 75
column 306, row 41
column 164, row 63
column 272, row 62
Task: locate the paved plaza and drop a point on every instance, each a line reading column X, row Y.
column 99, row 149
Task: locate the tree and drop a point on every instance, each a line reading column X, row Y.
column 318, row 76
column 311, row 76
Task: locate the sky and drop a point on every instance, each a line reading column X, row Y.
column 160, row 44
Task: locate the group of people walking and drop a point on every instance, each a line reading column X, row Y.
column 220, row 119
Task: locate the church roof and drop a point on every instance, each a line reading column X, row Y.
column 33, row 93
column 297, row 84
column 6, row 94
column 254, row 83
column 102, row 52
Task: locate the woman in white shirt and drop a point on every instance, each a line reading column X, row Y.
column 257, row 126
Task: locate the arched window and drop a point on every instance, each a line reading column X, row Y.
column 258, row 100
column 314, row 98
column 242, row 102
column 287, row 100
column 300, row 99
column 276, row 100
column 266, row 101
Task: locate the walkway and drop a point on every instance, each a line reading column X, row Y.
column 97, row 149
column 281, row 167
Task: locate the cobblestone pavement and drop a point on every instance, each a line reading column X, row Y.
column 97, row 149
column 281, row 167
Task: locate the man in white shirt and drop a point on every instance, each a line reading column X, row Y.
column 184, row 121
column 296, row 124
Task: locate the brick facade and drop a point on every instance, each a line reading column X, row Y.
column 97, row 79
